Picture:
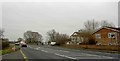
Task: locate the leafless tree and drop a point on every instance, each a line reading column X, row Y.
column 28, row 36
column 20, row 39
column 57, row 37
column 61, row 38
column 4, row 42
column 86, row 38
column 105, row 23
column 32, row 36
column 91, row 25
column 1, row 33
column 51, row 35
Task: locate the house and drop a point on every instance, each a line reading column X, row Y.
column 107, row 36
column 77, row 37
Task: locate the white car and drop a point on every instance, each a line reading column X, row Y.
column 52, row 43
column 17, row 43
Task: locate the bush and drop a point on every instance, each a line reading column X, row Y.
column 5, row 44
column 92, row 41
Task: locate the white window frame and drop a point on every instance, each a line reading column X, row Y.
column 111, row 33
column 98, row 36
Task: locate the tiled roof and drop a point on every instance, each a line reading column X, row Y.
column 111, row 28
column 115, row 28
column 76, row 33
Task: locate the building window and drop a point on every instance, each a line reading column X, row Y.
column 111, row 35
column 98, row 36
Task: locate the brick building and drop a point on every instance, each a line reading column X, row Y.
column 107, row 36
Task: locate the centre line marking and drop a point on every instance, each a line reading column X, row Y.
column 98, row 55
column 65, row 56
column 44, row 51
column 24, row 56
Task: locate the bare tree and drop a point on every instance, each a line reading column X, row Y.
column 91, row 25
column 105, row 23
column 20, row 39
column 54, row 36
column 32, row 36
column 1, row 33
column 28, row 36
column 51, row 35
column 64, row 38
column 4, row 42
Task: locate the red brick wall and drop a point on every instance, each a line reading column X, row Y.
column 118, row 38
column 104, row 36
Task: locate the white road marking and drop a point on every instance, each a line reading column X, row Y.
column 29, row 46
column 36, row 48
column 44, row 51
column 97, row 55
column 62, row 50
column 65, row 56
column 24, row 56
column 95, row 52
column 84, row 54
column 65, row 51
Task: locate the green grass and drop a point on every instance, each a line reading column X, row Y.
column 6, row 51
column 9, row 50
column 0, row 52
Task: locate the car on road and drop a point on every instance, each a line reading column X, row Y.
column 17, row 43
column 23, row 44
column 52, row 43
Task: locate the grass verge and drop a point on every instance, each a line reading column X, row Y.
column 9, row 50
column 0, row 52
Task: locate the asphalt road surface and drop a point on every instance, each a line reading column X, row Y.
column 33, row 52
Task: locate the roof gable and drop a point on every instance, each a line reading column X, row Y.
column 109, row 28
column 75, row 34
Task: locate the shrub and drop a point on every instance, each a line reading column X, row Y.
column 6, row 51
column 5, row 44
column 92, row 41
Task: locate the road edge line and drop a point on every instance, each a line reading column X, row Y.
column 24, row 56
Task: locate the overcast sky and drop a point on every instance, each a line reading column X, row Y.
column 64, row 17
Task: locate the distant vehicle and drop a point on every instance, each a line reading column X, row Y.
column 23, row 44
column 17, row 43
column 98, row 44
column 52, row 43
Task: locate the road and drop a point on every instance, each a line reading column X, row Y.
column 33, row 52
